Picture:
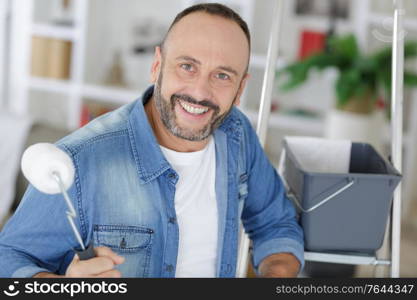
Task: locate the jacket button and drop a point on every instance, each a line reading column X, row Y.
column 172, row 220
column 123, row 243
column 171, row 175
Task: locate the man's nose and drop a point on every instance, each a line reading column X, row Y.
column 201, row 89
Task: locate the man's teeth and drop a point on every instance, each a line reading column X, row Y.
column 193, row 110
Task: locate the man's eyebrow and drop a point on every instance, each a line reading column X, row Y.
column 191, row 59
column 188, row 58
column 229, row 69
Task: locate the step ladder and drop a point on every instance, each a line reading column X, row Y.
column 391, row 246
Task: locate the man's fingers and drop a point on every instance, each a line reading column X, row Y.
column 105, row 251
column 109, row 274
column 100, row 266
column 93, row 266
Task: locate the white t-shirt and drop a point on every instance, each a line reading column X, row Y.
column 196, row 209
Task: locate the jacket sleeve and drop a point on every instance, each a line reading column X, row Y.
column 38, row 236
column 268, row 216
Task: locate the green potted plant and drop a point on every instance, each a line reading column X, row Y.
column 363, row 80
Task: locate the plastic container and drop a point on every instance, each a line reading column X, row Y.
column 345, row 209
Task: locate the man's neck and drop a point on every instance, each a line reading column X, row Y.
column 164, row 137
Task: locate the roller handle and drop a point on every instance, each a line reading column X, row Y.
column 87, row 253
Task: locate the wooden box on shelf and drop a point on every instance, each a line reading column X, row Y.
column 51, row 57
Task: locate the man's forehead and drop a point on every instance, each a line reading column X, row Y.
column 209, row 34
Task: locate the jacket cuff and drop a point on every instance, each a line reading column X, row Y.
column 28, row 271
column 279, row 245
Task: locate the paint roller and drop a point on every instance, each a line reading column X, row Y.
column 51, row 171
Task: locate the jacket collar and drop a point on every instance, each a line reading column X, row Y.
column 150, row 161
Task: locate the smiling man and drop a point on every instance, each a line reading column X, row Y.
column 200, row 72
column 162, row 183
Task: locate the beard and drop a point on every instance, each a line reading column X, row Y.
column 166, row 110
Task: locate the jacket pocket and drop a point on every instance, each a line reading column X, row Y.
column 132, row 242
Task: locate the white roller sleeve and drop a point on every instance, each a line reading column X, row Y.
column 40, row 161
column 321, row 155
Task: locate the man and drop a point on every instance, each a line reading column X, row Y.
column 162, row 183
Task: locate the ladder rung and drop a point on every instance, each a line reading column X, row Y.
column 350, row 259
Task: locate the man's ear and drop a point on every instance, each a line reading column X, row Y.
column 156, row 64
column 241, row 88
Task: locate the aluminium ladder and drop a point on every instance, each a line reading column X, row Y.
column 396, row 146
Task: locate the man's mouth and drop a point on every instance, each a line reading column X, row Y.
column 193, row 109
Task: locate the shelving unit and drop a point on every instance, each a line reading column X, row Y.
column 75, row 89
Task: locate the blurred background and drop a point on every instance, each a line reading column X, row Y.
column 65, row 62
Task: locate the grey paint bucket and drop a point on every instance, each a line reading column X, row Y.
column 340, row 211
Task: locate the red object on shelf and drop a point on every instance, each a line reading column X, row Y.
column 311, row 42
column 89, row 113
column 380, row 103
column 85, row 115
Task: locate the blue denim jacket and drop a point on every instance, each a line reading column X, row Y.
column 124, row 196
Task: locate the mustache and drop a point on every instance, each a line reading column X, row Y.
column 187, row 98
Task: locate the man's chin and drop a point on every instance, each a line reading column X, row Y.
column 191, row 135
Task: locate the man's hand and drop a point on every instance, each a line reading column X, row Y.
column 279, row 265
column 100, row 266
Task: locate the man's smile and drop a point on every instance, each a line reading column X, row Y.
column 192, row 112
column 193, row 109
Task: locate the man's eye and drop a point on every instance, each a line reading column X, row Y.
column 187, row 67
column 223, row 76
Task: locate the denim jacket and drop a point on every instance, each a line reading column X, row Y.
column 123, row 193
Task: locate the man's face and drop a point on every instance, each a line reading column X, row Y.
column 200, row 74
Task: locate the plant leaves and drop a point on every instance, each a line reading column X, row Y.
column 345, row 86
column 345, row 46
column 410, row 79
column 358, row 74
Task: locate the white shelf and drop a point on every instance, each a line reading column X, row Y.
column 51, row 85
column 54, row 31
column 306, row 125
column 111, row 94
column 259, row 61
column 100, row 93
